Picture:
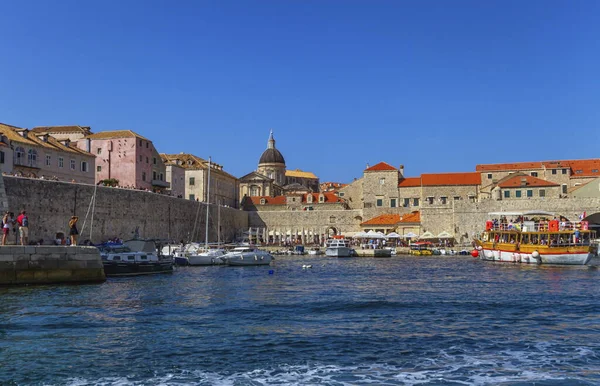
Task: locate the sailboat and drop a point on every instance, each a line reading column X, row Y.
column 207, row 256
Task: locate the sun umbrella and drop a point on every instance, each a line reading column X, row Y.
column 427, row 235
column 393, row 235
column 410, row 235
column 445, row 235
column 374, row 235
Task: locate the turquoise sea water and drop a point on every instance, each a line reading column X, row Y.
column 351, row 321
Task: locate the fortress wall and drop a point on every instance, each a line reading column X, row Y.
column 117, row 212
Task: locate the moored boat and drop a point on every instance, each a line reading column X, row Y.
column 339, row 247
column 207, row 257
column 535, row 241
column 421, row 248
column 246, row 256
column 134, row 257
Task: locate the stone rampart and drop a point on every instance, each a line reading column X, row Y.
column 49, row 264
column 116, row 212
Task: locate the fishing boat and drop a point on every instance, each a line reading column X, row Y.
column 535, row 237
column 339, row 247
column 134, row 257
column 247, row 255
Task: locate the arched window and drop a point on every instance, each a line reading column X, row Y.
column 19, row 156
column 32, row 158
column 254, row 191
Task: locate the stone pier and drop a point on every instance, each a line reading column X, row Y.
column 50, row 264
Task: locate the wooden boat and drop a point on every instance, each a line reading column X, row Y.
column 537, row 241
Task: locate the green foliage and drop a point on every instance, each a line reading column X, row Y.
column 110, row 182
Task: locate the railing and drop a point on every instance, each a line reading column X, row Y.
column 540, row 226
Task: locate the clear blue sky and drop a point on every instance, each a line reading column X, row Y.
column 438, row 86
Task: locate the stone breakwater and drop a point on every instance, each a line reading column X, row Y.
column 50, row 264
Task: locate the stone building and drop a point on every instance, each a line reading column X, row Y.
column 271, row 177
column 28, row 154
column 518, row 186
column 127, row 157
column 295, row 202
column 590, row 189
column 223, row 186
column 175, row 177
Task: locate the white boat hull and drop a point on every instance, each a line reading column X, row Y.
column 527, row 258
column 339, row 252
column 204, row 260
column 249, row 258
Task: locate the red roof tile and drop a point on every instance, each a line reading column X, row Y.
column 585, row 168
column 330, row 198
column 517, row 182
column 509, row 166
column 279, row 200
column 409, row 182
column 579, row 168
column 471, row 178
column 393, row 219
column 382, row 166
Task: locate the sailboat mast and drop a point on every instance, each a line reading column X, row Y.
column 219, row 225
column 207, row 204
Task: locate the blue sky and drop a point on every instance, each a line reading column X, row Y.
column 438, row 86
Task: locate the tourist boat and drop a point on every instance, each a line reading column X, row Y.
column 134, row 257
column 421, row 248
column 339, row 247
column 247, row 255
column 537, row 241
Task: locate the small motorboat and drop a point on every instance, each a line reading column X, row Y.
column 207, row 257
column 247, row 255
column 134, row 257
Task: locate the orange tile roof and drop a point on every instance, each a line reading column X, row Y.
column 470, row 178
column 517, row 182
column 61, row 129
column 279, row 200
column 115, row 134
column 409, row 182
column 393, row 219
column 579, row 168
column 382, row 166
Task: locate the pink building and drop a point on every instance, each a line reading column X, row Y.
column 127, row 157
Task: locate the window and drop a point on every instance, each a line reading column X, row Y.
column 578, row 171
column 99, row 150
column 19, row 156
column 341, row 194
column 192, row 197
column 48, row 160
column 518, row 194
column 61, row 162
column 542, row 193
column 379, row 202
column 192, row 181
column 332, row 219
column 84, row 166
column 456, row 198
column 430, row 200
column 594, row 170
column 321, row 198
column 534, row 174
column 382, row 181
column 443, row 200
column 263, row 201
column 415, row 202
column 98, row 168
column 1, row 157
column 140, row 143
column 553, row 171
column 507, row 194
column 564, row 171
column 154, row 174
column 72, row 164
column 147, row 160
column 154, row 160
column 32, row 158
column 489, row 176
column 564, row 188
column 529, row 193
column 406, row 202
column 393, row 202
column 162, row 178
column 147, row 144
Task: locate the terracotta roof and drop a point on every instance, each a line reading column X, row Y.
column 579, row 168
column 382, row 166
column 185, row 160
column 115, row 134
column 471, row 178
column 330, row 198
column 393, row 219
column 12, row 133
column 517, row 182
column 61, row 129
column 299, row 173
column 409, row 182
column 36, row 139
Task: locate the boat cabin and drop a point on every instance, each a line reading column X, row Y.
column 421, row 248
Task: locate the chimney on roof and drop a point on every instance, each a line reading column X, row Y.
column 368, row 165
column 401, row 168
column 88, row 145
column 523, row 181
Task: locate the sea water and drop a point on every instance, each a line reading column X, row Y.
column 343, row 321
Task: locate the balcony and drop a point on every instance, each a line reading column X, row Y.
column 162, row 184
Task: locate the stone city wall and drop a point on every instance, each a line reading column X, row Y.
column 49, row 264
column 117, row 212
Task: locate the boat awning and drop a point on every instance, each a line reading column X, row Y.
column 526, row 213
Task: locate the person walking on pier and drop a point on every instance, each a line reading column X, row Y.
column 23, row 222
column 73, row 232
column 5, row 227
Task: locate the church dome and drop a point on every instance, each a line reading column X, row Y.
column 271, row 156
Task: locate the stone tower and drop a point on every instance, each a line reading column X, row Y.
column 272, row 163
